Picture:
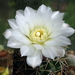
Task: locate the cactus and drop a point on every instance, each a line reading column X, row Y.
column 58, row 66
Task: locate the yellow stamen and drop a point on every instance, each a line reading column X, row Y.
column 39, row 34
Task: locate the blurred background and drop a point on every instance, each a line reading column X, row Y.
column 8, row 9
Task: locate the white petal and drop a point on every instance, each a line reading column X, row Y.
column 7, row 33
column 42, row 8
column 46, row 13
column 38, row 46
column 25, row 29
column 27, row 50
column 65, row 25
column 57, row 25
column 60, row 51
column 62, row 41
column 13, row 24
column 20, row 15
column 55, row 33
column 57, row 15
column 20, row 18
column 35, row 60
column 50, row 43
column 52, row 52
column 34, row 23
column 67, row 31
column 47, row 52
column 28, row 11
column 21, row 21
column 13, row 43
column 20, row 37
column 58, row 41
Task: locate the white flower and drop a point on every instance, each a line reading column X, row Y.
column 7, row 33
column 65, row 25
column 39, row 32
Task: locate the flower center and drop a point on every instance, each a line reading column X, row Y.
column 39, row 35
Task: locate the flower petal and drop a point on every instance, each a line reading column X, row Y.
column 21, row 22
column 35, row 60
column 55, row 33
column 46, row 13
column 20, row 18
column 57, row 15
column 13, row 24
column 34, row 23
column 20, row 37
column 7, row 33
column 27, row 50
column 47, row 52
column 62, row 41
column 60, row 51
column 52, row 52
column 58, row 41
column 28, row 11
column 57, row 26
column 38, row 46
column 25, row 29
column 20, row 14
column 67, row 31
column 42, row 8
column 65, row 25
column 13, row 43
